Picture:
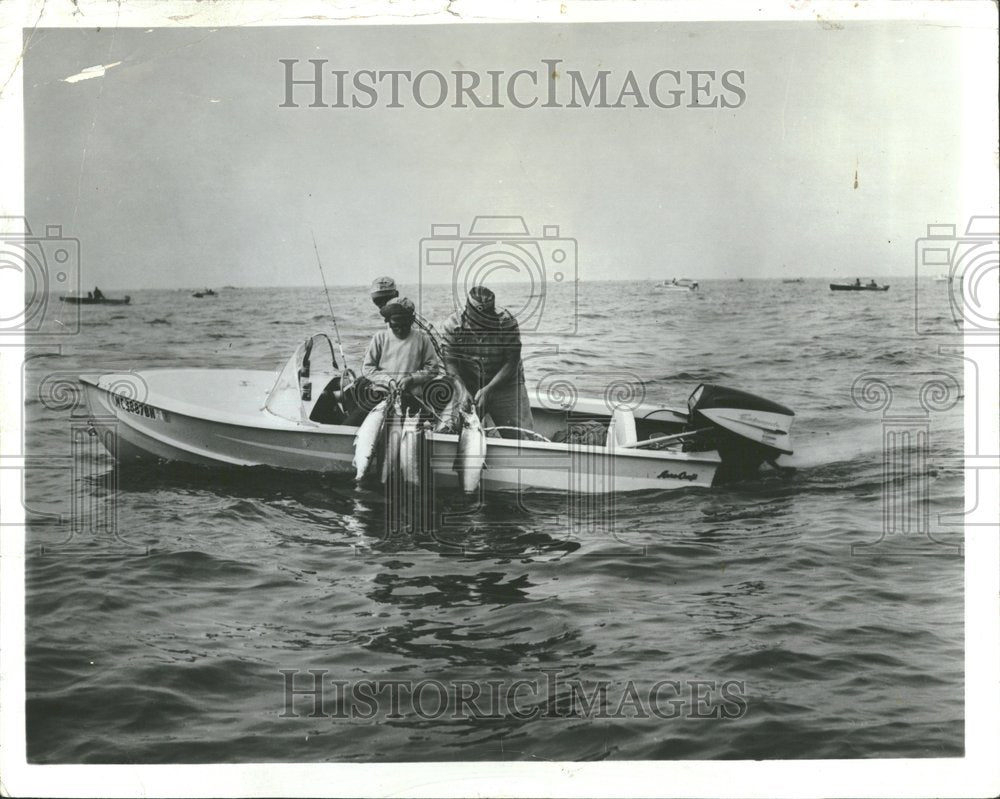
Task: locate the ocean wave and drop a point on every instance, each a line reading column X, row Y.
column 695, row 375
column 193, row 566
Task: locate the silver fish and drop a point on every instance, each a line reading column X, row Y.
column 367, row 440
column 393, row 428
column 471, row 455
column 409, row 450
column 449, row 417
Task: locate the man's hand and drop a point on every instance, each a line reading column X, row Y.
column 481, row 399
column 404, row 384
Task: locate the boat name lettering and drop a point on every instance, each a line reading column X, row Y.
column 134, row 406
column 666, row 473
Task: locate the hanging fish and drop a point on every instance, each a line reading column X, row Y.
column 393, row 433
column 451, row 404
column 409, row 449
column 471, row 455
column 368, row 439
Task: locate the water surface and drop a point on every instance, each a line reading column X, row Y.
column 167, row 643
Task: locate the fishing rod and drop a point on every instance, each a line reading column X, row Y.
column 432, row 334
column 329, row 304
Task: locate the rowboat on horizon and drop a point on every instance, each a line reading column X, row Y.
column 872, row 286
column 73, row 299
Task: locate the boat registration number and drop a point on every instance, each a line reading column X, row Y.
column 136, row 407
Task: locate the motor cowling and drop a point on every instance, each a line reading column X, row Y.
column 744, row 428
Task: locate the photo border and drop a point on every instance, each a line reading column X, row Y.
column 975, row 774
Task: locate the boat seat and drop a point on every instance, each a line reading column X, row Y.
column 621, row 430
column 327, row 410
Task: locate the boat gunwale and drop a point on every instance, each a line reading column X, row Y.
column 268, row 421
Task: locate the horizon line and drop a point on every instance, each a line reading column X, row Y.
column 506, row 282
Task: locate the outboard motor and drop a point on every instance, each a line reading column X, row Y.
column 746, row 430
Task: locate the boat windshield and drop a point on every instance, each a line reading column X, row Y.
column 303, row 378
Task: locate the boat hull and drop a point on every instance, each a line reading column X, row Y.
column 144, row 431
column 680, row 285
column 92, row 301
column 139, row 420
column 843, row 287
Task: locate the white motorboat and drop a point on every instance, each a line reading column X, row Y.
column 246, row 418
column 680, row 285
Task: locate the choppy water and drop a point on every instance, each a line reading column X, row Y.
column 167, row 642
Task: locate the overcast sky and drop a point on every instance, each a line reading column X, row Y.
column 179, row 168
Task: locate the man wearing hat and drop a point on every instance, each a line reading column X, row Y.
column 383, row 290
column 482, row 348
column 397, row 354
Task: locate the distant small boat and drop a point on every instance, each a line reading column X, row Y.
column 205, row 293
column 857, row 287
column 793, row 280
column 943, row 279
column 75, row 300
column 681, row 285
